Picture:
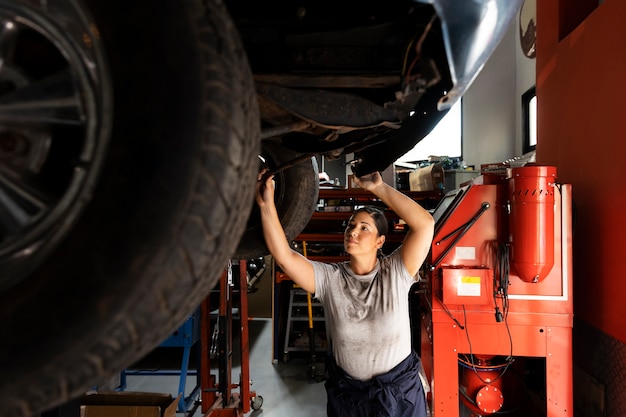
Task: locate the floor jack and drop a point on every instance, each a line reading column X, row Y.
column 217, row 398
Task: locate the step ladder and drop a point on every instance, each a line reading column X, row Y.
column 298, row 312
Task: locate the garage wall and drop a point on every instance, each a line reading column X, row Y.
column 581, row 130
column 581, row 62
column 492, row 129
column 489, row 117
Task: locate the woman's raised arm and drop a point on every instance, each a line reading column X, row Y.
column 421, row 224
column 296, row 266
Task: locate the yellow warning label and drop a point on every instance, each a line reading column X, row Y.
column 468, row 286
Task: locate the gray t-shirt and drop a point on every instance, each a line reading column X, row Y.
column 367, row 316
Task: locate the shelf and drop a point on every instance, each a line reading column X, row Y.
column 331, row 215
column 319, row 237
column 330, row 258
column 359, row 192
column 327, row 227
column 333, row 237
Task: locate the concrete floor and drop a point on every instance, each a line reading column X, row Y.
column 286, row 388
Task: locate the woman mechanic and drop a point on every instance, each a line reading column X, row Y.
column 373, row 370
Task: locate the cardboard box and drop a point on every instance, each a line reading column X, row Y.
column 128, row 404
column 455, row 178
column 429, row 178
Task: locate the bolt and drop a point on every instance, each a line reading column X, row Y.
column 12, row 143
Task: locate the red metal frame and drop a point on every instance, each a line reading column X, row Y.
column 236, row 404
column 540, row 314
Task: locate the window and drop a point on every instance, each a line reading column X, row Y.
column 529, row 120
column 443, row 140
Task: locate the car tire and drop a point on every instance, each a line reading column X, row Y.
column 144, row 178
column 296, row 195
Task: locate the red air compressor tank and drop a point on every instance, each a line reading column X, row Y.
column 531, row 233
column 481, row 385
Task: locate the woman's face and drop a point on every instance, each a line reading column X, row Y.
column 361, row 235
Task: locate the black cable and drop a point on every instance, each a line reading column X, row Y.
column 448, row 312
column 509, row 360
column 501, row 281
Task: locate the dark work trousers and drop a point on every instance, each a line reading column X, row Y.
column 397, row 393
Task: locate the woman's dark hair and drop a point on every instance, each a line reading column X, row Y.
column 379, row 218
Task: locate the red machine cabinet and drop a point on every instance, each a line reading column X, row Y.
column 478, row 307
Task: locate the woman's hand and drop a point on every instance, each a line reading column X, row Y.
column 264, row 188
column 370, row 181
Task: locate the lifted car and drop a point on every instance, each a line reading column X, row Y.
column 131, row 135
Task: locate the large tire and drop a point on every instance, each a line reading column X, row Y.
column 126, row 176
column 296, row 195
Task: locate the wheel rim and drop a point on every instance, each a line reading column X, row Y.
column 53, row 130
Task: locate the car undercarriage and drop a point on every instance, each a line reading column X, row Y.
column 131, row 137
